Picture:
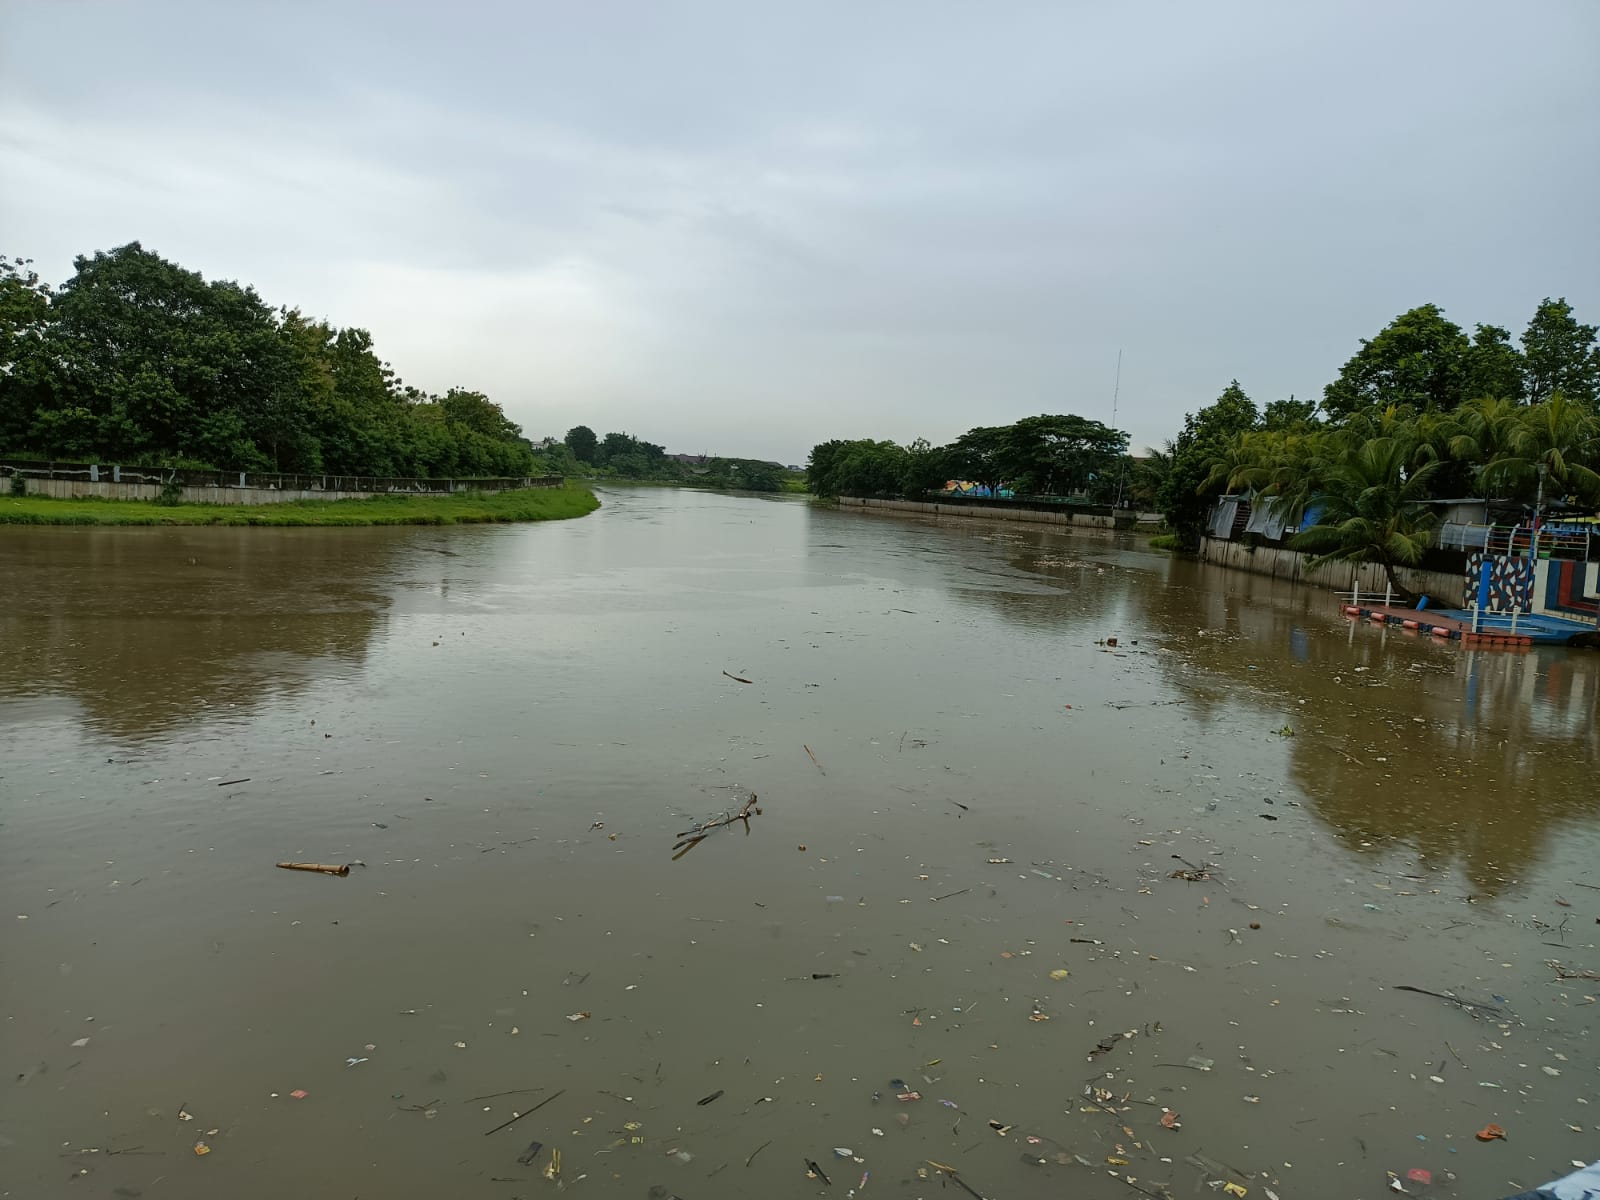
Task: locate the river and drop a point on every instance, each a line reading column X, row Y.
column 965, row 789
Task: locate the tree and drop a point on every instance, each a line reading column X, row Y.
column 927, row 468
column 1492, row 366
column 1187, row 491
column 982, row 455
column 365, row 426
column 136, row 359
column 1372, row 510
column 856, row 468
column 1561, row 356
column 555, row 459
column 24, row 310
column 164, row 363
column 476, row 412
column 1417, row 361
column 1147, row 475
column 1290, row 415
column 1553, row 449
column 1280, row 463
column 616, row 446
column 24, row 371
column 753, row 475
column 1061, row 454
column 582, row 442
column 822, row 468
column 1483, row 430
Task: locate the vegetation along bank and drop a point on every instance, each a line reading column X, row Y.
column 466, row 508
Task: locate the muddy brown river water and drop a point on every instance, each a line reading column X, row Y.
column 958, row 881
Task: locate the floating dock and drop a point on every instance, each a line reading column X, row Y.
column 1455, row 624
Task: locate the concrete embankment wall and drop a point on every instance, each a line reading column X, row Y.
column 1290, row 565
column 66, row 489
column 970, row 512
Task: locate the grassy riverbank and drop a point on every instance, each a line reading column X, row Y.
column 533, row 504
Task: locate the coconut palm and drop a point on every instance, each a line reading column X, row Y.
column 1372, row 508
column 1275, row 463
column 1556, row 441
column 1483, row 430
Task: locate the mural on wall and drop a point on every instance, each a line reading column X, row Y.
column 963, row 487
column 1510, row 582
column 1568, row 592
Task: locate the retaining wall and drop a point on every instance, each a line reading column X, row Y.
column 66, row 482
column 1290, row 565
column 971, row 512
column 70, row 488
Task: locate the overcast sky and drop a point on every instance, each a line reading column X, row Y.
column 747, row 227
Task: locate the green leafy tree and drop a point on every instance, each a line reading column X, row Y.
column 1062, row 455
column 1492, row 366
column 753, row 475
column 1290, row 416
column 1418, row 361
column 167, row 364
column 1561, row 356
column 555, row 459
column 856, row 468
column 983, row 455
column 583, row 444
column 1189, row 488
column 615, row 446
column 824, row 468
column 628, row 456
column 927, row 468
column 136, row 359
column 26, row 374
column 302, row 398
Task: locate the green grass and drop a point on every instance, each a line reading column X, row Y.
column 532, row 504
column 1164, row 541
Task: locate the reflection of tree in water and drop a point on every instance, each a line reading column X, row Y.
column 1491, row 779
column 1488, row 756
column 146, row 630
column 1049, row 584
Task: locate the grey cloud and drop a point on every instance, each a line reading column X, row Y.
column 745, row 228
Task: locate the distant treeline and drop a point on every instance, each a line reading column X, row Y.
column 1056, row 455
column 626, row 457
column 137, row 360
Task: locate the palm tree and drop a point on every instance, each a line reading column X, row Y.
column 1555, row 441
column 1483, row 430
column 1278, row 465
column 1373, row 510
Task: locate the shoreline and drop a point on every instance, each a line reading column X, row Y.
column 532, row 504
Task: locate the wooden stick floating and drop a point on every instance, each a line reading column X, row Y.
column 517, row 1117
column 690, row 838
column 324, row 868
